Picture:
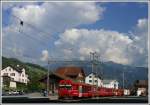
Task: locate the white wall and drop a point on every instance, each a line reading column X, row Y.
column 140, row 91
column 89, row 78
column 19, row 77
column 12, row 84
column 112, row 84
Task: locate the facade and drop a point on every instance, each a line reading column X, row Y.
column 141, row 87
column 110, row 84
column 93, row 80
column 16, row 74
column 74, row 73
column 63, row 73
column 126, row 92
column 53, row 81
column 8, row 82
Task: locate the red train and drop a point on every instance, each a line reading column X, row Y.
column 69, row 89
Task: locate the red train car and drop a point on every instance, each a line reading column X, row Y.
column 104, row 92
column 118, row 92
column 69, row 89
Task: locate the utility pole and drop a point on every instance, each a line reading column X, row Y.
column 92, row 56
column 96, row 63
column 123, row 79
column 48, row 78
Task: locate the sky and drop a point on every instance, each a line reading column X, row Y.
column 118, row 32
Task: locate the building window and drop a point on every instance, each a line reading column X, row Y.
column 90, row 76
column 12, row 74
column 22, row 75
column 22, row 80
column 5, row 74
column 12, row 79
column 90, row 80
column 95, row 80
column 9, row 69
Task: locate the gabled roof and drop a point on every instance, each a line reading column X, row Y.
column 94, row 74
column 141, row 83
column 71, row 70
column 17, row 68
column 56, row 75
column 65, row 73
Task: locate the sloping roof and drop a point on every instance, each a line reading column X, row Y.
column 63, row 73
column 61, row 76
column 71, row 70
column 52, row 74
column 141, row 83
column 94, row 74
column 17, row 68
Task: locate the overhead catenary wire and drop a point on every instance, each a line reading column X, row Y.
column 28, row 36
column 44, row 33
column 36, row 29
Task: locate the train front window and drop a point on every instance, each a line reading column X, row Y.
column 61, row 86
column 68, row 87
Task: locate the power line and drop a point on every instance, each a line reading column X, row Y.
column 34, row 27
column 29, row 36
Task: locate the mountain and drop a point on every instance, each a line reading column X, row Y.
column 109, row 70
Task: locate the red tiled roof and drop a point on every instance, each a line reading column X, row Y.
column 73, row 71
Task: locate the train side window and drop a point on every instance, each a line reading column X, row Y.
column 74, row 87
column 80, row 89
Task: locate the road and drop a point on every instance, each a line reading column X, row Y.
column 24, row 99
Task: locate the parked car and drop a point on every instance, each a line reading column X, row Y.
column 13, row 93
column 5, row 93
column 21, row 92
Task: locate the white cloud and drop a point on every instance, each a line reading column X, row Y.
column 139, row 49
column 45, row 55
column 63, row 18
column 9, row 5
column 142, row 23
column 56, row 17
column 111, row 45
column 53, row 18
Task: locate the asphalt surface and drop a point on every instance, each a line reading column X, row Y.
column 24, row 99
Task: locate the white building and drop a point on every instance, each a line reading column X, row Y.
column 17, row 74
column 110, row 84
column 93, row 80
column 126, row 92
column 141, row 91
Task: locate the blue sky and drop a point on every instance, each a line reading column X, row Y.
column 77, row 29
column 120, row 16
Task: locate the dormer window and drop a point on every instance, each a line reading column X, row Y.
column 90, row 80
column 9, row 69
column 5, row 74
column 12, row 74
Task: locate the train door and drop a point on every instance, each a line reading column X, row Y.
column 80, row 91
